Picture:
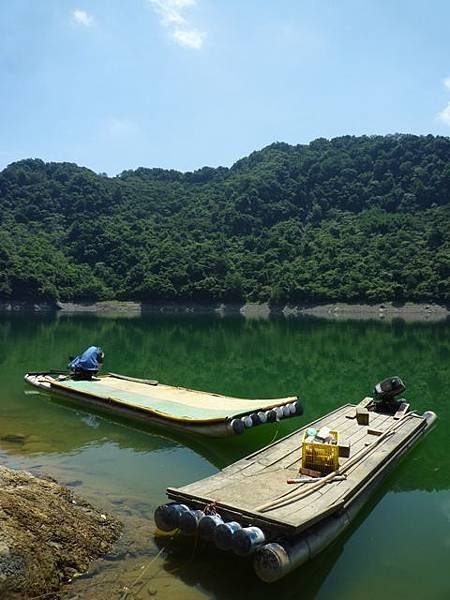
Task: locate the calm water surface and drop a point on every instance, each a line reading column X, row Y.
column 398, row 548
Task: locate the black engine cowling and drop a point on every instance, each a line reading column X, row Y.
column 388, row 389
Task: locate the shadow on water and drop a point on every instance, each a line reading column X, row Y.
column 220, row 452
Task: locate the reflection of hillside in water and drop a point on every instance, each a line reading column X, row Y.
column 329, row 363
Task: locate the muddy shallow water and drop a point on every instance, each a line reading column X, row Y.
column 403, row 534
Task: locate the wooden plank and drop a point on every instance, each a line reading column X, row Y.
column 308, row 508
column 207, row 486
column 236, row 467
column 360, row 471
column 365, row 402
column 313, row 508
column 249, row 483
column 404, row 406
column 376, row 432
column 334, row 494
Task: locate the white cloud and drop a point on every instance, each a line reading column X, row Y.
column 445, row 115
column 172, row 18
column 190, row 38
column 82, row 18
column 447, row 83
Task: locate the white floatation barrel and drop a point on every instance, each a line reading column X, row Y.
column 223, row 534
column 273, row 561
column 207, row 526
column 262, row 416
column 167, row 516
column 271, row 415
column 286, row 410
column 247, row 540
column 258, row 418
column 430, row 417
column 279, row 412
column 189, row 521
column 292, row 408
column 247, row 420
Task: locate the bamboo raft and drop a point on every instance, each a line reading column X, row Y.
column 250, row 507
column 174, row 407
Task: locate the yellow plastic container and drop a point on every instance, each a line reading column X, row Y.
column 321, row 457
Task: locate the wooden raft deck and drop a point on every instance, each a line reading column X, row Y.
column 171, row 402
column 241, row 489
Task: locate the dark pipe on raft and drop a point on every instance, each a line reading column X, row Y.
column 189, row 521
column 167, row 516
column 207, row 526
column 223, row 534
column 247, row 540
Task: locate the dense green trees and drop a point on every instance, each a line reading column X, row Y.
column 354, row 218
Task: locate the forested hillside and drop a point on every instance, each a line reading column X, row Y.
column 354, row 218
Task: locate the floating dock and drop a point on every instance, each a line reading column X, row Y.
column 174, row 407
column 250, row 507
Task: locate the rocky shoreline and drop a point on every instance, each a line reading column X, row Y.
column 48, row 535
column 409, row 311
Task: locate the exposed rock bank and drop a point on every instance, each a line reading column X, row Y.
column 409, row 311
column 48, row 535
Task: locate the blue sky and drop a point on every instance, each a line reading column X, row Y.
column 117, row 84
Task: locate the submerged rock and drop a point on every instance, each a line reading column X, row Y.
column 13, row 438
column 48, row 535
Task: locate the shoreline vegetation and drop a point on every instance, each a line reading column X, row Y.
column 409, row 311
column 362, row 220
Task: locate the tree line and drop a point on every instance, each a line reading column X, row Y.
column 348, row 219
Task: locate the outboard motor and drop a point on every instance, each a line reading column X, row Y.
column 87, row 364
column 385, row 394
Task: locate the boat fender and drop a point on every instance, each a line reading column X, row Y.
column 247, row 540
column 207, row 526
column 237, row 426
column 298, row 408
column 271, row 415
column 286, row 410
column 189, row 521
column 292, row 408
column 167, row 516
column 262, row 416
column 255, row 419
column 279, row 412
column 223, row 534
column 247, row 420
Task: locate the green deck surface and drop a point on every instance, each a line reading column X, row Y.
column 169, row 409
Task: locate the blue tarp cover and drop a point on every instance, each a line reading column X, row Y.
column 88, row 361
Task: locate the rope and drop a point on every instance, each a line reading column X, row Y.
column 140, row 576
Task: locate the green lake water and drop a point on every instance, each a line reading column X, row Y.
column 398, row 548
